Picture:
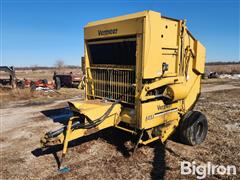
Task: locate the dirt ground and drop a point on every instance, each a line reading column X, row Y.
column 105, row 155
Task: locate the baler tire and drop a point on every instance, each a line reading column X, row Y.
column 193, row 128
column 57, row 83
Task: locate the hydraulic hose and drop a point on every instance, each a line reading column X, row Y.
column 78, row 125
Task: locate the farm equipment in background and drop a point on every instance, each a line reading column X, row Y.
column 66, row 80
column 213, row 75
column 143, row 74
column 9, row 76
column 26, row 83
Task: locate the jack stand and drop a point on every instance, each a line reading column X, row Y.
column 139, row 139
column 65, row 145
column 63, row 169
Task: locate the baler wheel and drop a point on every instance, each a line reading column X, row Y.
column 58, row 83
column 193, row 128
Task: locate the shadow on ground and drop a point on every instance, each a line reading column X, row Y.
column 60, row 115
column 117, row 138
column 159, row 163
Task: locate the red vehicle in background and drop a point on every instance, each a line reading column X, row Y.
column 34, row 84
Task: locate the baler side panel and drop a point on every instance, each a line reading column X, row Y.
column 200, row 58
column 194, row 67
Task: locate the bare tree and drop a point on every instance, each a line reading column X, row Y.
column 34, row 67
column 59, row 63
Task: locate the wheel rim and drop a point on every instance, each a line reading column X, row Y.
column 199, row 131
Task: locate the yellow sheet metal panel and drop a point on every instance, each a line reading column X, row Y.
column 128, row 115
column 152, row 52
column 199, row 61
column 192, row 85
column 114, row 29
column 156, row 112
column 169, row 33
column 110, row 121
column 193, row 92
column 118, row 19
column 160, row 45
column 169, row 43
column 94, row 109
column 169, row 56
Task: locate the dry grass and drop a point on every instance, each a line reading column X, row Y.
column 44, row 73
column 8, row 95
column 224, row 69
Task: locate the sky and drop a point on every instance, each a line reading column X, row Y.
column 40, row 32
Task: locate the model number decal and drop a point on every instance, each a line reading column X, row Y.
column 149, row 117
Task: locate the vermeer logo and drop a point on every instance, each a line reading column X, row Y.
column 159, row 107
column 107, row 32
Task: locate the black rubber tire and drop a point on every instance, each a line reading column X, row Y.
column 33, row 86
column 57, row 83
column 21, row 84
column 75, row 85
column 193, row 128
